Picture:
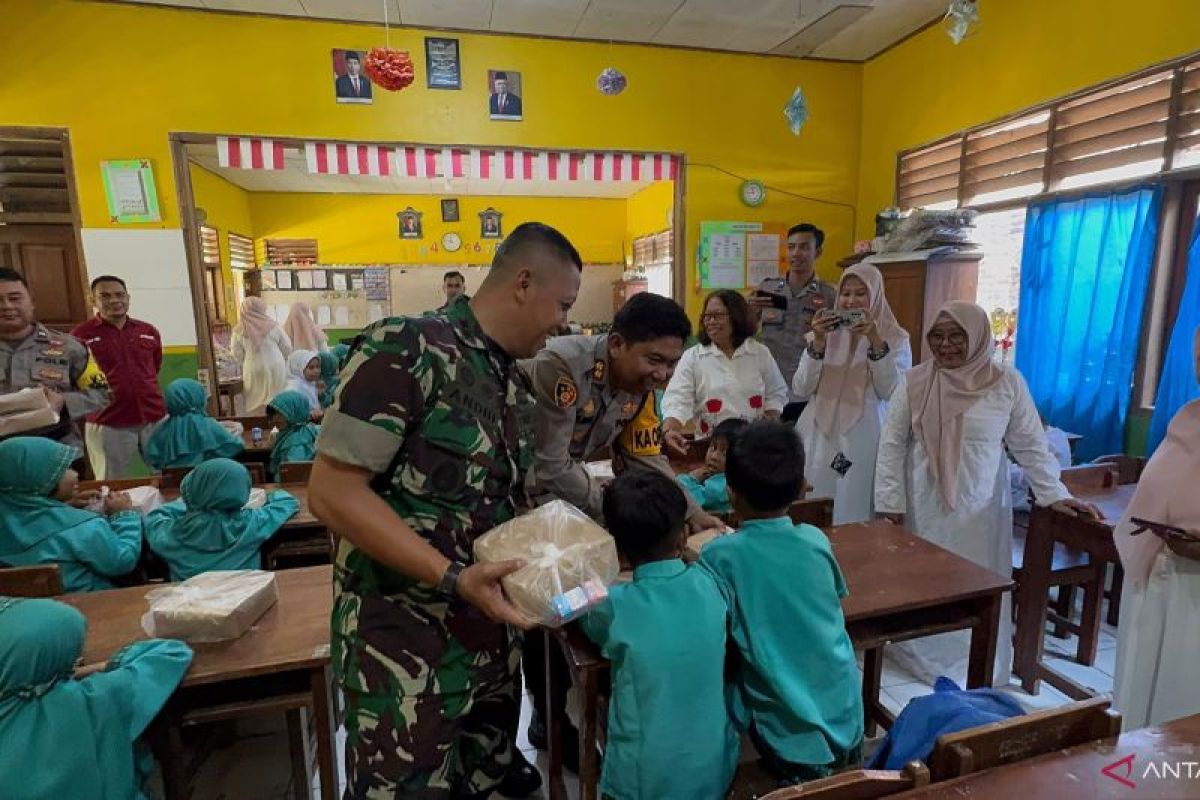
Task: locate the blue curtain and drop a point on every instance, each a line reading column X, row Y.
column 1177, row 382
column 1085, row 273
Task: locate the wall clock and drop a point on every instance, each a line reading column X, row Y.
column 451, row 241
column 753, row 193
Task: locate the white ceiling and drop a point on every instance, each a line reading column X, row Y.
column 852, row 30
column 295, row 177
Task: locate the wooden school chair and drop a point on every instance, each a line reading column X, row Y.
column 1019, row 738
column 172, row 477
column 1129, row 470
column 40, row 580
column 295, row 471
column 815, row 511
column 249, row 423
column 859, row 784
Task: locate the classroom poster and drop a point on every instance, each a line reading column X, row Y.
column 734, row 255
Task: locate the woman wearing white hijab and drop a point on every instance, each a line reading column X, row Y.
column 1157, row 645
column 262, row 348
column 302, row 331
column 846, row 376
column 942, row 469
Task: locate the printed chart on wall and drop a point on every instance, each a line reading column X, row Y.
column 340, row 296
column 734, row 255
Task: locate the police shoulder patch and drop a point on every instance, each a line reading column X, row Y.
column 565, row 392
column 599, row 370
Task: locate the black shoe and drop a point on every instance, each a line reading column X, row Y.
column 522, row 778
column 570, row 740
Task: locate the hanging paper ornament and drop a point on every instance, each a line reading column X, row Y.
column 611, row 81
column 796, row 111
column 389, row 69
column 961, row 19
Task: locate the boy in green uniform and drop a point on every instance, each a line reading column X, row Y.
column 665, row 636
column 706, row 484
column 798, row 686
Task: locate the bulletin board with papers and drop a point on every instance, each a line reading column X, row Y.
column 734, row 255
column 341, row 296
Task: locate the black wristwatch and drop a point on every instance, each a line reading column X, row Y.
column 448, row 585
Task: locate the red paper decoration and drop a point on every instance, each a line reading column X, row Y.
column 389, row 69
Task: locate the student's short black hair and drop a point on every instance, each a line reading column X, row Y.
column 647, row 316
column 453, row 274
column 808, row 227
column 729, row 429
column 765, row 465
column 534, row 235
column 107, row 278
column 644, row 511
column 9, row 274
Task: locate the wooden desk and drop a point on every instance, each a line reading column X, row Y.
column 285, row 653
column 1046, row 527
column 256, row 452
column 301, row 520
column 1076, row 771
column 901, row 587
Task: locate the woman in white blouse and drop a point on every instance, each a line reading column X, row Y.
column 846, row 376
column 729, row 374
column 942, row 470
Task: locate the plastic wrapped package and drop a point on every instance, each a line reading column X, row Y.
column 210, row 607
column 25, row 410
column 570, row 562
column 144, row 498
column 232, row 426
column 258, row 498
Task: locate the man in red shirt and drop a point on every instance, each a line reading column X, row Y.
column 130, row 353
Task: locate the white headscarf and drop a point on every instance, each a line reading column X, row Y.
column 297, row 362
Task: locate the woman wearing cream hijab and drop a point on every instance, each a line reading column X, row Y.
column 1157, row 646
column 263, row 350
column 846, row 376
column 303, row 331
column 942, row 469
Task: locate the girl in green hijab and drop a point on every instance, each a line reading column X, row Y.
column 76, row 738
column 297, row 437
column 330, row 376
column 188, row 435
column 340, row 352
column 37, row 526
column 208, row 528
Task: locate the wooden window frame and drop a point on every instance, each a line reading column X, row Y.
column 287, row 245
column 232, row 238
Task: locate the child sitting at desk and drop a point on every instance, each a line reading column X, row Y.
column 798, row 684
column 188, row 435
column 76, row 737
column 669, row 732
column 707, row 484
column 208, row 527
column 297, row 436
column 330, row 376
column 38, row 526
column 304, row 372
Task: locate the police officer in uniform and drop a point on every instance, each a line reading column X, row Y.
column 787, row 306
column 425, row 449
column 33, row 355
column 597, row 393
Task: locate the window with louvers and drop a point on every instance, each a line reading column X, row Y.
column 291, row 251
column 929, row 177
column 214, row 286
column 1006, row 161
column 1187, row 121
column 241, row 251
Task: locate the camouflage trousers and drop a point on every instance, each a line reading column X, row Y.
column 439, row 727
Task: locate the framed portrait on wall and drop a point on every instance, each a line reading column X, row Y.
column 489, row 224
column 350, row 83
column 504, row 95
column 410, row 223
column 450, row 209
column 443, row 70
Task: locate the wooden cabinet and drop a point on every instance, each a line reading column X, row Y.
column 625, row 289
column 48, row 258
column 918, row 287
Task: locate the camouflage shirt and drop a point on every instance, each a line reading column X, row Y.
column 444, row 419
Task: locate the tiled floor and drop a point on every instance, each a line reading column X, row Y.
column 255, row 762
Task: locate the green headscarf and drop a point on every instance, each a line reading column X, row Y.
column 330, row 370
column 75, row 738
column 188, row 435
column 208, row 528
column 340, row 352
column 30, row 469
column 298, row 441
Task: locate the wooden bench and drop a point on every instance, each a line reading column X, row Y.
column 1019, row 738
column 295, row 471
column 859, row 784
column 172, row 477
column 39, row 580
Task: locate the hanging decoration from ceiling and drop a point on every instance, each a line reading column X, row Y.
column 796, row 111
column 611, row 81
column 389, row 69
column 961, row 20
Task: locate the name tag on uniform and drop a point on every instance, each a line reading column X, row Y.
column 52, row 375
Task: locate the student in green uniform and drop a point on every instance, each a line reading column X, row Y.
column 188, row 435
column 706, row 484
column 798, row 686
column 665, row 636
column 290, row 414
column 208, row 527
column 330, row 376
column 76, row 737
column 38, row 526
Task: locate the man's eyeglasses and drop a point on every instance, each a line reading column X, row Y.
column 936, row 338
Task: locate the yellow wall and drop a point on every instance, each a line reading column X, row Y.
column 649, row 211
column 228, row 210
column 219, row 73
column 358, row 228
column 1025, row 52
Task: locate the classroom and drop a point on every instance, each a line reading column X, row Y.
column 441, row 399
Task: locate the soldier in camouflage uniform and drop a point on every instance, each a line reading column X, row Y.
column 425, row 449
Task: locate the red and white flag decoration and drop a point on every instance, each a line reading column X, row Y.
column 241, row 152
column 534, row 165
column 329, row 158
